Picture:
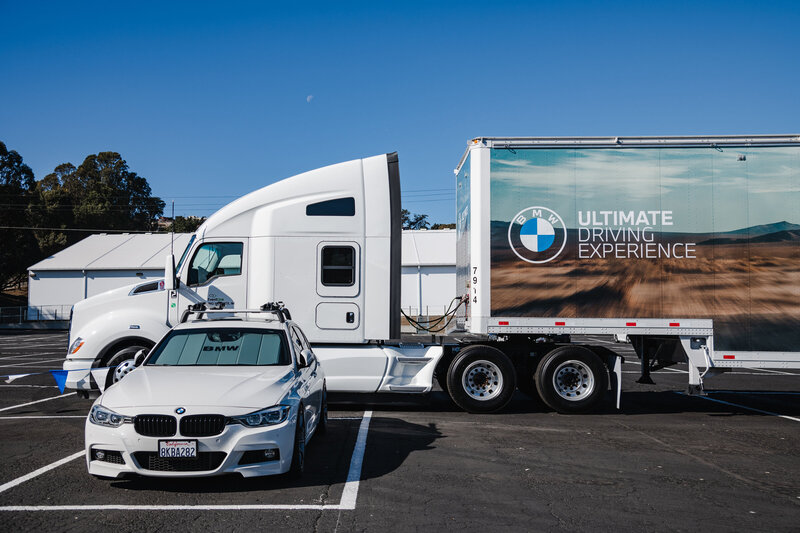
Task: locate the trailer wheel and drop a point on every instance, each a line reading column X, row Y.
column 571, row 379
column 481, row 379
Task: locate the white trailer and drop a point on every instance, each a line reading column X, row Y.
column 551, row 235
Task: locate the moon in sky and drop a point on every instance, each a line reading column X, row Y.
column 309, row 98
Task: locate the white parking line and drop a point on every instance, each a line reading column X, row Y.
column 37, row 401
column 743, row 407
column 40, row 416
column 26, row 477
column 347, row 503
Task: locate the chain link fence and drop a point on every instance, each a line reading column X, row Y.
column 20, row 314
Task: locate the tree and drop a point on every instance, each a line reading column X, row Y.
column 101, row 193
column 18, row 248
column 187, row 224
column 414, row 221
column 443, row 226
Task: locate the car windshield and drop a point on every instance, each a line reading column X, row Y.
column 222, row 347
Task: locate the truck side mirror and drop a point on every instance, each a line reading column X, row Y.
column 169, row 273
column 139, row 358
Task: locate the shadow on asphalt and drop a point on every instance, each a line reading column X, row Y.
column 396, row 439
column 633, row 403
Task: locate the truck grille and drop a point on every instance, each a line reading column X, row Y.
column 202, row 425
column 204, row 461
column 155, row 425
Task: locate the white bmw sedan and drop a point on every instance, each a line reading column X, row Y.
column 212, row 397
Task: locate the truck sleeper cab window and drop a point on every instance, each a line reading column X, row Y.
column 340, row 207
column 213, row 260
column 338, row 266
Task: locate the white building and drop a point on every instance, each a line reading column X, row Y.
column 103, row 262
column 429, row 271
column 96, row 264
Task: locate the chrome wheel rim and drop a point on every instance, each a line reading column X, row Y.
column 482, row 380
column 123, row 369
column 573, row 380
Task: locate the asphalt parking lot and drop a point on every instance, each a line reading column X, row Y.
column 665, row 461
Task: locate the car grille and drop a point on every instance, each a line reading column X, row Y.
column 204, row 461
column 202, row 425
column 109, row 456
column 155, row 425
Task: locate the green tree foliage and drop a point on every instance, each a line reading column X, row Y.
column 101, row 193
column 187, row 224
column 16, row 192
column 443, row 226
column 414, row 220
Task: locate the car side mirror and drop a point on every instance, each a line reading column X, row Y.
column 304, row 358
column 169, row 273
column 139, row 358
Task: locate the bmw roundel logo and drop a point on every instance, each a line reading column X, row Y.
column 180, row 410
column 537, row 234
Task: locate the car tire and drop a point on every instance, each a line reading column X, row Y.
column 122, row 362
column 481, row 379
column 571, row 379
column 299, row 449
column 322, row 425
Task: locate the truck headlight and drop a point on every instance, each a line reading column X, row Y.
column 101, row 416
column 75, row 346
column 265, row 417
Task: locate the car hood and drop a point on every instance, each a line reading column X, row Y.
column 228, row 390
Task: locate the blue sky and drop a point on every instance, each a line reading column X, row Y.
column 209, row 101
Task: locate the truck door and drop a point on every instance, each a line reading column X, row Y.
column 338, row 285
column 215, row 273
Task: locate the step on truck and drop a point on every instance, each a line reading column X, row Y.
column 689, row 246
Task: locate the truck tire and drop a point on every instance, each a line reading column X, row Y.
column 121, row 362
column 481, row 379
column 571, row 379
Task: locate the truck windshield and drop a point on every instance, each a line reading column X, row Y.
column 185, row 253
column 222, row 347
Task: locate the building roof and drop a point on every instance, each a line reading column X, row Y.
column 429, row 247
column 147, row 250
column 124, row 251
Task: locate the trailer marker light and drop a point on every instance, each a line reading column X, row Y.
column 503, row 323
column 729, row 357
column 561, row 323
column 630, row 323
column 674, row 324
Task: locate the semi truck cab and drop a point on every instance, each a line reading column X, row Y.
column 326, row 242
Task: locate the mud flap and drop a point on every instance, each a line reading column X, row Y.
column 614, row 364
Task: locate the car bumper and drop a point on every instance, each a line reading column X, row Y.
column 79, row 376
column 231, row 444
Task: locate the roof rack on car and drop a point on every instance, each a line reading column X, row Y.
column 276, row 308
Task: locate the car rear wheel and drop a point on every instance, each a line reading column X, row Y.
column 322, row 425
column 299, row 450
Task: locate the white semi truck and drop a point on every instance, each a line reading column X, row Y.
column 687, row 245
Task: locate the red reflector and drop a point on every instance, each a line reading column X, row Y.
column 561, row 323
column 674, row 324
column 729, row 357
column 503, row 323
column 630, row 323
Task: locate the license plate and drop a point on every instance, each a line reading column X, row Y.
column 178, row 449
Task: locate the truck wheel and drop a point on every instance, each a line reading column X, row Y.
column 121, row 362
column 571, row 379
column 481, row 379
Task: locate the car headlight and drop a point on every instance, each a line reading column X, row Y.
column 265, row 417
column 102, row 416
column 75, row 346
